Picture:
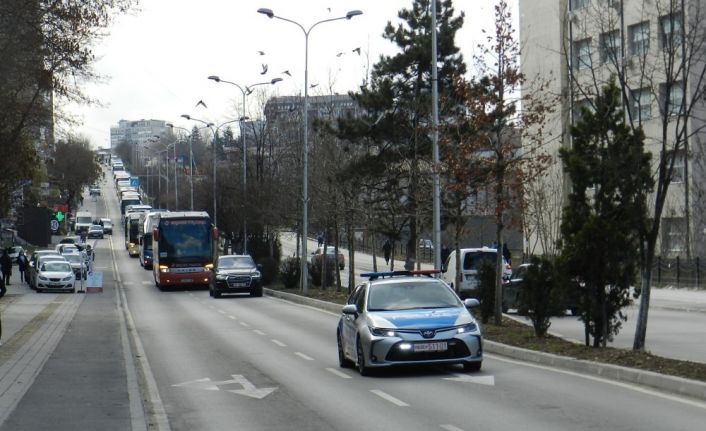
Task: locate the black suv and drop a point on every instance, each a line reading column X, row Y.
column 235, row 273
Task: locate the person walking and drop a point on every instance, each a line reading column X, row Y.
column 386, row 250
column 22, row 264
column 6, row 265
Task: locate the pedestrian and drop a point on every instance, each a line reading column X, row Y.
column 320, row 239
column 445, row 252
column 506, row 254
column 6, row 265
column 386, row 250
column 22, row 264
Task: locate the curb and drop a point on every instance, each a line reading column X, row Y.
column 677, row 385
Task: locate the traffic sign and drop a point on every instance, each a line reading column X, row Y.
column 134, row 181
column 54, row 225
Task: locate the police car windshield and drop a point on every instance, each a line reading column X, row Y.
column 408, row 296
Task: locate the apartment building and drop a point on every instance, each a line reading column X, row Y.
column 656, row 50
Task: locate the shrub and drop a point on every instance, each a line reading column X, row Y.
column 290, row 272
column 269, row 270
column 541, row 295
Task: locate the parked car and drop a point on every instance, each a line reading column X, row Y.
column 94, row 190
column 471, row 259
column 513, row 289
column 317, row 257
column 67, row 248
column 107, row 225
column 56, row 275
column 78, row 264
column 407, row 318
column 95, row 231
column 34, row 271
column 236, row 274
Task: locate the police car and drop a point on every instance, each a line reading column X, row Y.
column 407, row 318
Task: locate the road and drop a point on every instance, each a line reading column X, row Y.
column 266, row 364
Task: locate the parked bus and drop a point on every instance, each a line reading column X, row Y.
column 183, row 249
column 132, row 231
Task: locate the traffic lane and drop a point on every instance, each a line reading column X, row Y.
column 440, row 396
column 670, row 333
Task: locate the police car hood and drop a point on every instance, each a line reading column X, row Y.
column 420, row 318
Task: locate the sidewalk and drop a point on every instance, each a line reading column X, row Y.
column 63, row 364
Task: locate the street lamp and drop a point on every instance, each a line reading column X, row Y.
column 214, row 130
column 191, row 163
column 245, row 91
column 305, row 193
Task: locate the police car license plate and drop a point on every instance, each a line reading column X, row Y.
column 431, row 347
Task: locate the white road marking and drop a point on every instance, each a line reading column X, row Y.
column 231, row 317
column 249, row 389
column 629, row 386
column 221, row 311
column 389, row 398
column 339, row 373
column 258, row 332
column 244, row 324
column 481, row 380
column 303, row 356
column 279, row 343
column 147, row 282
column 127, row 283
column 449, row 427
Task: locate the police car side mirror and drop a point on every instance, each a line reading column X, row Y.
column 471, row 303
column 350, row 309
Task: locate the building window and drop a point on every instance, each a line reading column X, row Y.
column 670, row 30
column 679, row 168
column 580, row 107
column 641, row 104
column 640, row 38
column 673, row 95
column 673, row 235
column 582, row 54
column 610, row 46
column 579, row 4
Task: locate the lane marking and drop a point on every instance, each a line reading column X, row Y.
column 258, row 332
column 244, row 324
column 303, row 356
column 221, row 311
column 231, row 317
column 338, row 373
column 633, row 387
column 389, row 398
column 279, row 343
column 449, row 427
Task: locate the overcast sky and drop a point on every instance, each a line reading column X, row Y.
column 158, row 58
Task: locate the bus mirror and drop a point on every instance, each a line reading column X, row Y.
column 155, row 235
column 215, row 233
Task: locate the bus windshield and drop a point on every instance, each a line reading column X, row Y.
column 184, row 240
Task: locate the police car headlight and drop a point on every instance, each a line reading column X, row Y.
column 383, row 332
column 470, row 327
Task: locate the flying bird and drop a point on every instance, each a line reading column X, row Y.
column 286, row 72
column 264, row 69
column 328, row 9
column 339, row 54
column 200, row 102
column 356, row 50
column 261, row 52
column 313, row 85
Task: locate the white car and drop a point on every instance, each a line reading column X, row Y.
column 56, row 275
column 14, row 252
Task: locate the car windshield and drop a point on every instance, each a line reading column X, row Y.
column 407, row 296
column 73, row 258
column 235, row 262
column 96, row 227
column 56, row 267
column 473, row 260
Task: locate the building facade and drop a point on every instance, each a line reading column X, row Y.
column 654, row 50
column 137, row 132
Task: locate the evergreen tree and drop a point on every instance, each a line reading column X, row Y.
column 606, row 211
column 396, row 104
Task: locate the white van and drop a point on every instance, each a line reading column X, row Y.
column 471, row 259
column 84, row 220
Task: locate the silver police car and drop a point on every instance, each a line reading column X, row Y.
column 407, row 318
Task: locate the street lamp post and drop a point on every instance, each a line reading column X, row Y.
column 214, row 130
column 245, row 91
column 305, row 197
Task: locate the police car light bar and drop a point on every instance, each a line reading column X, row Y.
column 376, row 275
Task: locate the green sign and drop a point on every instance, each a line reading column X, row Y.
column 59, row 215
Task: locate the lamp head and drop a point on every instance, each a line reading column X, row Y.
column 266, row 11
column 188, row 117
column 353, row 13
column 215, row 78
